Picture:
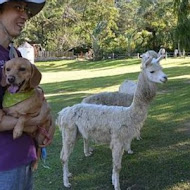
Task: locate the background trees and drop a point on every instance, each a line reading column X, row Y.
column 182, row 34
column 109, row 26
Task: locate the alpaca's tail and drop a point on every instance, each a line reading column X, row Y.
column 62, row 117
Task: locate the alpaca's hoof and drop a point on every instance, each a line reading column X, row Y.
column 88, row 154
column 130, row 152
column 139, row 138
column 68, row 185
column 113, row 180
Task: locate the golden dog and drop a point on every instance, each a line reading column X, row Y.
column 23, row 98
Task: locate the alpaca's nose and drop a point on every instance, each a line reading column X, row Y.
column 11, row 79
column 165, row 78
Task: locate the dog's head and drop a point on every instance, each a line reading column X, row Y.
column 20, row 75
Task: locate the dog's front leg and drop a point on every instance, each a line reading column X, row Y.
column 1, row 114
column 18, row 129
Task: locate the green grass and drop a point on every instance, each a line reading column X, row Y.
column 161, row 160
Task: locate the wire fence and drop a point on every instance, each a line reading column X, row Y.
column 57, row 55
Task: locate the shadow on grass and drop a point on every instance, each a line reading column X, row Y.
column 74, row 65
column 87, row 83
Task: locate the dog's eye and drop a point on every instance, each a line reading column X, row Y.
column 8, row 69
column 152, row 71
column 22, row 69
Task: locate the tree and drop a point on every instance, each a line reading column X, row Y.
column 182, row 34
column 46, row 27
column 93, row 22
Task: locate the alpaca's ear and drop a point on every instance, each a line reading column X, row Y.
column 159, row 58
column 36, row 77
column 3, row 77
column 147, row 62
column 142, row 55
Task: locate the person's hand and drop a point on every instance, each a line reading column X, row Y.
column 47, row 132
column 42, row 126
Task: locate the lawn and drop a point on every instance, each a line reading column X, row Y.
column 161, row 160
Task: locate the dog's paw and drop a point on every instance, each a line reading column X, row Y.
column 16, row 133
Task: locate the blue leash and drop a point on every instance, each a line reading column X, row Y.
column 44, row 157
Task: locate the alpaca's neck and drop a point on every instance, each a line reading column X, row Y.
column 144, row 94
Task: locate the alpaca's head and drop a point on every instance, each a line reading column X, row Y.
column 152, row 69
column 156, row 57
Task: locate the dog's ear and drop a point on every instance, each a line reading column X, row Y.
column 36, row 77
column 3, row 77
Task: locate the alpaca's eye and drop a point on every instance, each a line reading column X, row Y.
column 152, row 71
column 8, row 69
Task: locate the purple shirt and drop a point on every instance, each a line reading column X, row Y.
column 21, row 151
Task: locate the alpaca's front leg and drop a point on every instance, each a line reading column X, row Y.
column 117, row 152
column 65, row 159
column 69, row 138
column 66, row 175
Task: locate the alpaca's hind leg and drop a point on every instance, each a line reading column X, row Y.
column 69, row 138
column 117, row 152
column 87, row 150
column 128, row 147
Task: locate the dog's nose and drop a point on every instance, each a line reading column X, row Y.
column 11, row 79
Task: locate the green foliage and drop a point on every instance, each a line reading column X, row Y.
column 182, row 10
column 123, row 27
column 46, row 27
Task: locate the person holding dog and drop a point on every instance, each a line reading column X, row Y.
column 17, row 155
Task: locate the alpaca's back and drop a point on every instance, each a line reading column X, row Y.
column 128, row 87
column 97, row 121
column 110, row 98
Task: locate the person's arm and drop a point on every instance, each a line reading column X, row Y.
column 7, row 123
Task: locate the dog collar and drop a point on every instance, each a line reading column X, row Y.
column 13, row 99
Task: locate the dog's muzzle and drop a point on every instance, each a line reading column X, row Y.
column 11, row 79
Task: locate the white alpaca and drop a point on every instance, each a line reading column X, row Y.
column 122, row 98
column 114, row 125
column 110, row 98
column 128, row 87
